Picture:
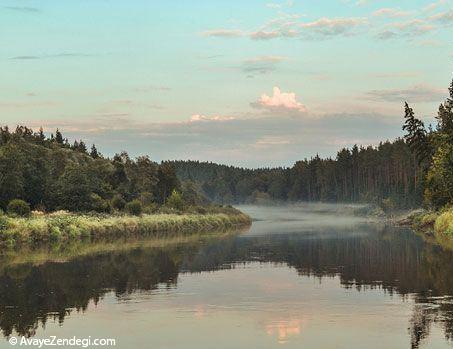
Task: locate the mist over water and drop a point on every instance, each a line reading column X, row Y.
column 302, row 218
column 306, row 275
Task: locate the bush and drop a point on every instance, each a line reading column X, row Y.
column 54, row 233
column 3, row 223
column 175, row 201
column 118, row 202
column 18, row 207
column 134, row 207
column 439, row 181
column 98, row 204
column 151, row 208
column 146, row 198
column 444, row 223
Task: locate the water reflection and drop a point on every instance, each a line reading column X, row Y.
column 364, row 257
column 284, row 329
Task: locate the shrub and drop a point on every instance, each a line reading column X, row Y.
column 41, row 208
column 439, row 180
column 166, row 210
column 444, row 223
column 98, row 204
column 118, row 202
column 134, row 207
column 3, row 223
column 54, row 233
column 151, row 208
column 175, row 201
column 196, row 210
column 146, row 198
column 18, row 207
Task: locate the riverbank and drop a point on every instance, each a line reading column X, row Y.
column 436, row 226
column 41, row 229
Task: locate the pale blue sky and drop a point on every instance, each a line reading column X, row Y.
column 186, row 79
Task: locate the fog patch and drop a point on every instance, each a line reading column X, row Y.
column 307, row 218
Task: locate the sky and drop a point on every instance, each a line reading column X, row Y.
column 248, row 83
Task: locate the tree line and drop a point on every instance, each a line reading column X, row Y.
column 49, row 173
column 408, row 172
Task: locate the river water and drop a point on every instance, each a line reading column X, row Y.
column 305, row 276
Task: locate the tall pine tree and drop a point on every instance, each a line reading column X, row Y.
column 416, row 136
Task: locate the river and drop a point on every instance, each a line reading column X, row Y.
column 303, row 276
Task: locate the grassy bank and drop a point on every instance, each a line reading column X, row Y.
column 63, row 226
column 437, row 226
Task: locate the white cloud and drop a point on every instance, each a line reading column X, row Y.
column 361, row 2
column 333, row 26
column 201, row 118
column 412, row 28
column 434, row 5
column 390, row 12
column 283, row 101
column 223, row 33
column 443, row 17
column 265, row 35
column 290, row 26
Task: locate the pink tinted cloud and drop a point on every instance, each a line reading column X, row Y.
column 280, row 100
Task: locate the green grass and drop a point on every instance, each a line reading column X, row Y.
column 444, row 223
column 435, row 227
column 424, row 221
column 63, row 226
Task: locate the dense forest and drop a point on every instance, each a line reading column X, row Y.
column 408, row 172
column 49, row 173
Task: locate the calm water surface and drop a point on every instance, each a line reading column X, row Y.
column 301, row 277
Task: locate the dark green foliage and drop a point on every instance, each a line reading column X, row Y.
column 94, row 152
column 191, row 195
column 439, row 191
column 3, row 223
column 50, row 174
column 416, row 137
column 167, row 181
column 175, row 201
column 134, row 207
column 360, row 174
column 58, row 137
column 118, row 202
column 18, row 207
column 445, row 117
column 439, row 186
column 98, row 204
column 394, row 174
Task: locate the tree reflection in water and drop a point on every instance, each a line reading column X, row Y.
column 395, row 260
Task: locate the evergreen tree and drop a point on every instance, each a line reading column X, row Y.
column 167, row 181
column 41, row 136
column 94, row 152
column 58, row 137
column 416, row 136
column 445, row 117
column 82, row 147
